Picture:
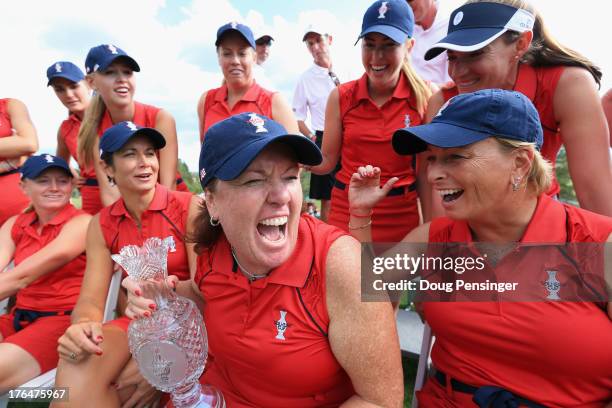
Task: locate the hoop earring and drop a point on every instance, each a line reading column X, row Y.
column 111, row 181
column 213, row 222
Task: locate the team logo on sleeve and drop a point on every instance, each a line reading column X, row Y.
column 281, row 326
column 49, row 158
column 58, row 67
column 382, row 10
column 257, row 122
column 112, row 49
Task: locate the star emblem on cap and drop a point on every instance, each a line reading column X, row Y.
column 112, row 49
column 58, row 67
column 202, row 174
column 234, row 24
column 131, row 125
column 49, row 158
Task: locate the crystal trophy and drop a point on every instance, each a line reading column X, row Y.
column 171, row 345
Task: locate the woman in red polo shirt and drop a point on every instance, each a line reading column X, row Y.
column 110, row 73
column 17, row 140
column 362, row 115
column 47, row 245
column 286, row 325
column 526, row 347
column 71, row 88
column 239, row 92
column 96, row 362
column 517, row 52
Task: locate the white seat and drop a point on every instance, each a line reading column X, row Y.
column 424, row 363
column 110, row 312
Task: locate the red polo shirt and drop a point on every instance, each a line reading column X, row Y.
column 166, row 216
column 69, row 131
column 256, row 99
column 554, row 353
column 57, row 290
column 269, row 337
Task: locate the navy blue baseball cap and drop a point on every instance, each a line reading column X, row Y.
column 35, row 165
column 115, row 137
column 475, row 25
column 244, row 30
column 101, row 56
column 472, row 117
column 64, row 69
column 393, row 18
column 232, row 144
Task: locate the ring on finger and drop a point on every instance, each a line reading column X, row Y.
column 73, row 356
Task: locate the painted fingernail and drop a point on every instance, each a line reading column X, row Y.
column 99, row 353
column 152, row 306
column 99, row 338
column 146, row 314
column 137, row 292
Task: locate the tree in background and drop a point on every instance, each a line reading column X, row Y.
column 191, row 179
column 567, row 193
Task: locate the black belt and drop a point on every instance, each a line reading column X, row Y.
column 487, row 396
column 6, row 173
column 91, row 182
column 24, row 315
column 397, row 191
column 318, row 133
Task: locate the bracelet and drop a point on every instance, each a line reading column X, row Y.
column 367, row 224
column 368, row 215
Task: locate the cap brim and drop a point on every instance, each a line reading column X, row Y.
column 415, row 139
column 252, row 44
column 65, row 76
column 306, row 151
column 154, row 136
column 47, row 167
column 313, row 32
column 466, row 40
column 393, row 33
column 129, row 60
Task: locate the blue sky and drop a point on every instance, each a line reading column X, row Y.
column 173, row 41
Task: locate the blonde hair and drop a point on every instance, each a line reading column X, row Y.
column 88, row 133
column 541, row 172
column 420, row 88
column 545, row 50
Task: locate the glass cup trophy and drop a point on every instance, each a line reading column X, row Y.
column 171, row 345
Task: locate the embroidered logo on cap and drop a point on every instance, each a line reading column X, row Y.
column 382, row 10
column 95, row 68
column 112, row 49
column 58, row 67
column 131, row 125
column 458, row 18
column 257, row 122
column 234, row 24
column 202, row 174
column 49, row 158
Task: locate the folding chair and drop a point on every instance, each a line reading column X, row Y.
column 47, row 379
column 424, row 362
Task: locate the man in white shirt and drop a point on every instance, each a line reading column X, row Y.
column 311, row 93
column 431, row 26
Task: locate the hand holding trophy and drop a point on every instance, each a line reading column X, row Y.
column 171, row 345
